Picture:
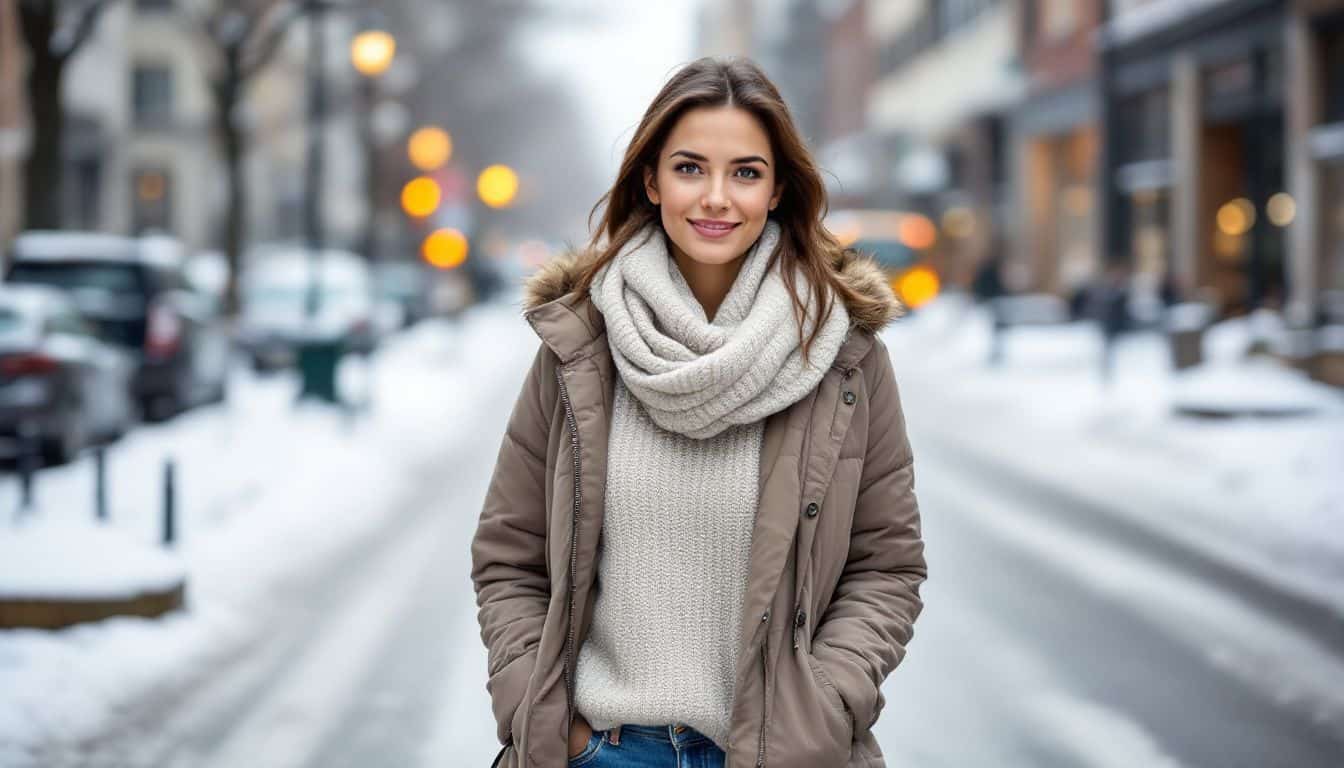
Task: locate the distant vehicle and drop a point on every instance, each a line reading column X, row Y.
column 406, row 285
column 275, row 295
column 886, row 235
column 57, row 378
column 135, row 293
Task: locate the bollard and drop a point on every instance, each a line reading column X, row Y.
column 100, row 483
column 29, row 454
column 169, row 503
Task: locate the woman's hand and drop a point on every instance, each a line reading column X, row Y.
column 579, row 734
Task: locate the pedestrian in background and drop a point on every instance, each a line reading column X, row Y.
column 701, row 541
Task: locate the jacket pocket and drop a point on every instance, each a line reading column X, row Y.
column 832, row 694
column 809, row 726
column 507, row 688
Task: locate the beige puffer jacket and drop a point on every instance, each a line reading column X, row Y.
column 836, row 555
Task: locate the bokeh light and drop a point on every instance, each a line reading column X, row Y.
column 958, row 222
column 371, row 52
column 445, row 248
column 918, row 286
column 1236, row 217
column 421, row 197
column 429, row 148
column 497, row 186
column 917, row 231
column 1281, row 209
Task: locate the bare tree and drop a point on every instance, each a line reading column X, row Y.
column 53, row 30
column 239, row 38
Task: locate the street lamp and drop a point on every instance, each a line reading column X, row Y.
column 371, row 54
column 497, row 186
column 429, row 148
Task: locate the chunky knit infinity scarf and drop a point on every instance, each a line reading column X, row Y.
column 697, row 377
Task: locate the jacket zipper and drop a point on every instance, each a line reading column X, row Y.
column 765, row 689
column 573, row 541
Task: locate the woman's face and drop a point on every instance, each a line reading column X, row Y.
column 714, row 184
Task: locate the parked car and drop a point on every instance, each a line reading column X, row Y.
column 135, row 293
column 275, row 294
column 57, row 378
column 886, row 235
column 406, row 285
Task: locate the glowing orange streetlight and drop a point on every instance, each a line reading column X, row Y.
column 445, row 248
column 371, row 52
column 918, row 286
column 916, row 231
column 429, row 148
column 421, row 197
column 497, row 186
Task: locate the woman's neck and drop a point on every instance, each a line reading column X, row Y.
column 709, row 283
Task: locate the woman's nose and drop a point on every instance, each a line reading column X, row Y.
column 715, row 198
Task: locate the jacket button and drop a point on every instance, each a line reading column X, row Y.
column 849, row 398
column 765, row 616
column 812, row 509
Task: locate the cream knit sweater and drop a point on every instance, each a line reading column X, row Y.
column 682, row 477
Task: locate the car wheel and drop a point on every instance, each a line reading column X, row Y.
column 220, row 395
column 64, row 447
column 160, row 407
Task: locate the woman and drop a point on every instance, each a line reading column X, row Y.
column 701, row 544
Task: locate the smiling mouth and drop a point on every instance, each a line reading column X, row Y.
column 713, row 229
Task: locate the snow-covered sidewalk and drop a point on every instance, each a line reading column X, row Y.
column 271, row 498
column 1263, row 497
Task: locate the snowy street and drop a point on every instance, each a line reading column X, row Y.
column 1051, row 636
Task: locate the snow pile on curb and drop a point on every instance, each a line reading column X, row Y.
column 1257, row 386
column 61, row 561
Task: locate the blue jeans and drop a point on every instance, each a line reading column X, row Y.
column 649, row 746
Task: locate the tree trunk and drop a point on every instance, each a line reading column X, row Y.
column 42, row 169
column 231, row 142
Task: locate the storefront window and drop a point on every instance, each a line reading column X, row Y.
column 1332, row 63
column 1150, row 218
column 1332, row 227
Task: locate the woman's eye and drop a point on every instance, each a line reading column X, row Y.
column 749, row 173
column 686, row 168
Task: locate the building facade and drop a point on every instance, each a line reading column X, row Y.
column 1193, row 101
column 1056, row 147
column 141, row 152
column 1314, row 70
column 13, row 123
column 948, row 78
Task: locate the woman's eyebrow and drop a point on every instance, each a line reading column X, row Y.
column 735, row 161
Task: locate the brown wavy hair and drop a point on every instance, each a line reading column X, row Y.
column 804, row 242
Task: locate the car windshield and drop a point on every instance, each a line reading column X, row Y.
column 891, row 254
column 123, row 279
column 295, row 294
column 13, row 324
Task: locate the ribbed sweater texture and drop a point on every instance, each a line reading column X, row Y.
column 682, row 477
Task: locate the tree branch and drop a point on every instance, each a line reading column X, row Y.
column 87, row 22
column 270, row 40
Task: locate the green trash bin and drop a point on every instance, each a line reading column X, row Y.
column 318, row 358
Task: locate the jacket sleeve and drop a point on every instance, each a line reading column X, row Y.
column 864, row 631
column 508, row 552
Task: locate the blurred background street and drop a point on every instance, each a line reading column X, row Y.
column 260, row 334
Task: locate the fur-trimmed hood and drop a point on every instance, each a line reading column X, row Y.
column 558, row 278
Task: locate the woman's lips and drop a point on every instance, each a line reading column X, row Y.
column 713, row 230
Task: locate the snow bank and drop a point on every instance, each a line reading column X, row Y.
column 1255, row 387
column 60, row 560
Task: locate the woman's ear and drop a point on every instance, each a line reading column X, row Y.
column 650, row 185
column 774, row 199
